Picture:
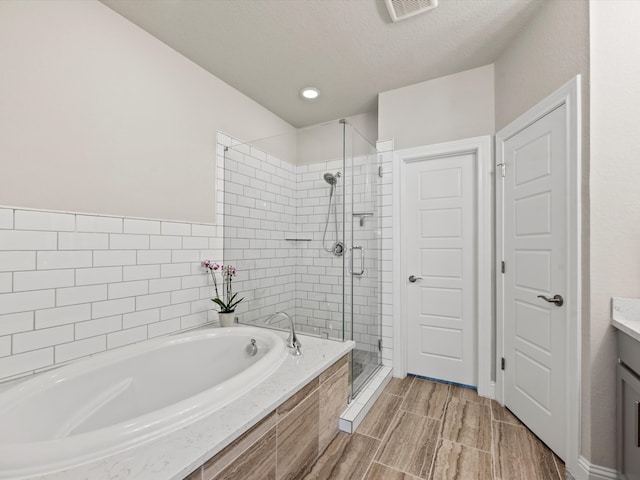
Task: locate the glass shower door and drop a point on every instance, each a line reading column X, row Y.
column 305, row 237
column 362, row 273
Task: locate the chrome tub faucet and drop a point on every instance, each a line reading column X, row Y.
column 292, row 340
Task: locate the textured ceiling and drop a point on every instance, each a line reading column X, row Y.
column 349, row 49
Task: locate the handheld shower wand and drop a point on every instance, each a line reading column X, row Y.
column 338, row 247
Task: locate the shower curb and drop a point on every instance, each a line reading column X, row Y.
column 360, row 406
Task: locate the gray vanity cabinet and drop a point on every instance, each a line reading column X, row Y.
column 628, row 408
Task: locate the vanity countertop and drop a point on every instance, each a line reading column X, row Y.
column 625, row 316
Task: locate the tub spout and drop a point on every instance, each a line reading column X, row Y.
column 292, row 340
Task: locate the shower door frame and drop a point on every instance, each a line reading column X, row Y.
column 349, row 178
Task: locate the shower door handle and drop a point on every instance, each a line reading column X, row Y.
column 353, row 251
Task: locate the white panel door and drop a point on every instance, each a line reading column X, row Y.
column 440, row 252
column 535, row 252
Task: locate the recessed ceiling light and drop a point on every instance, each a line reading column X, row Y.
column 310, row 93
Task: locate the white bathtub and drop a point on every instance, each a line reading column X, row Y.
column 88, row 410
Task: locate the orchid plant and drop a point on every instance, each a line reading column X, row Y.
column 227, row 302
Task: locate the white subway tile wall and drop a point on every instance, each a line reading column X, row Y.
column 14, row 261
column 74, row 285
column 6, row 218
column 259, row 215
column 5, row 282
column 385, row 198
column 269, row 201
column 36, row 220
column 91, row 223
column 15, row 323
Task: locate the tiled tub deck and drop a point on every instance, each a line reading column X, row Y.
column 288, row 441
column 296, row 408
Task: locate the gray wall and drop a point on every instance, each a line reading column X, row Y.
column 551, row 50
column 440, row 110
column 319, row 143
column 615, row 198
column 98, row 116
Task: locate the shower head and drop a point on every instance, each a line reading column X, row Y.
column 331, row 179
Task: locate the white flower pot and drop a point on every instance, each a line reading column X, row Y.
column 226, row 319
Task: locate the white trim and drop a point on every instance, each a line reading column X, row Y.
column 589, row 471
column 399, row 328
column 569, row 95
column 481, row 147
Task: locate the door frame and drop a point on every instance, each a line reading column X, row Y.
column 482, row 148
column 569, row 95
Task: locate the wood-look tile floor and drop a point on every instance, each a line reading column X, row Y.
column 423, row 430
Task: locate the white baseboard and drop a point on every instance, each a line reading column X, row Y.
column 492, row 390
column 589, row 471
column 488, row 391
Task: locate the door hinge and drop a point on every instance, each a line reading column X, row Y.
column 380, row 344
column 503, row 169
column 502, row 363
column 502, row 268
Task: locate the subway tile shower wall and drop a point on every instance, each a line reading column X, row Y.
column 259, row 214
column 72, row 285
column 318, row 272
column 320, row 282
column 275, row 215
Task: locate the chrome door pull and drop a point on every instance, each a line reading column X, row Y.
column 413, row 278
column 557, row 299
column 361, row 272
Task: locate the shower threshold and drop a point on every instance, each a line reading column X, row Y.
column 360, row 405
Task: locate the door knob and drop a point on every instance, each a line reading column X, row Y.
column 557, row 299
column 413, row 278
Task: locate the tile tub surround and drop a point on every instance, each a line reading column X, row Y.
column 420, row 429
column 73, row 285
column 625, row 316
column 178, row 454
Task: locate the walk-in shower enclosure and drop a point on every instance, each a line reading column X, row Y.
column 305, row 237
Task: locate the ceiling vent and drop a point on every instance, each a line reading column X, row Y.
column 401, row 9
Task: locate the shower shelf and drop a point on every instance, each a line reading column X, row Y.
column 362, row 215
column 298, row 239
